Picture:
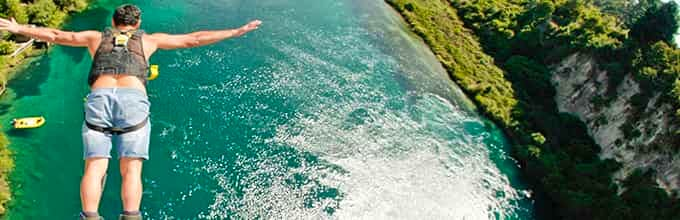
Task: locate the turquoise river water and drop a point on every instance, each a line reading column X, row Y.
column 331, row 110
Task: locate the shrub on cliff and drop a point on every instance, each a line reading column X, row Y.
column 71, row 5
column 528, row 28
column 6, row 47
column 6, row 166
column 14, row 9
column 659, row 23
column 45, row 13
column 531, row 76
column 585, row 26
column 657, row 69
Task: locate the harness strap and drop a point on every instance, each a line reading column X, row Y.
column 117, row 131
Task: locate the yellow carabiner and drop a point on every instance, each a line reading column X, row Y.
column 153, row 69
column 122, row 39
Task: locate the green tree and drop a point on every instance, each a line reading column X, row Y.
column 45, row 13
column 587, row 27
column 531, row 76
column 496, row 21
column 6, row 47
column 14, row 9
column 536, row 27
column 657, row 67
column 659, row 23
column 626, row 10
column 71, row 5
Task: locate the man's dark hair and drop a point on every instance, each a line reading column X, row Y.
column 126, row 15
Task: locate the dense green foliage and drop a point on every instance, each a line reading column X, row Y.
column 658, row 67
column 50, row 13
column 524, row 37
column 45, row 13
column 658, row 23
column 14, row 9
column 6, row 166
column 527, row 27
column 71, row 5
column 6, row 47
column 628, row 12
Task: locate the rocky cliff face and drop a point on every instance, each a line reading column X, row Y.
column 579, row 82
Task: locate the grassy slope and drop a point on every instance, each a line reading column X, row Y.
column 460, row 53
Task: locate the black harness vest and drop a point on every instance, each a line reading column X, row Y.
column 120, row 53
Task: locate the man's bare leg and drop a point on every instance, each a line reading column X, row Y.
column 131, row 187
column 91, row 184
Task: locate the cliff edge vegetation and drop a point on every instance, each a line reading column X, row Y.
column 46, row 13
column 512, row 85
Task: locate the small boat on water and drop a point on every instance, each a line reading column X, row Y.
column 28, row 122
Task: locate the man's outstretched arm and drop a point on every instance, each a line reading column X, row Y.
column 200, row 38
column 74, row 39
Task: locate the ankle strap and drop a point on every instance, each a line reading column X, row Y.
column 90, row 216
column 130, row 217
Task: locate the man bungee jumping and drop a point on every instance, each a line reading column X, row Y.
column 117, row 107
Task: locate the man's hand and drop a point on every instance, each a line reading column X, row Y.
column 10, row 25
column 253, row 25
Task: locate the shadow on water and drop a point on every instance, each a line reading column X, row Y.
column 5, row 108
column 23, row 133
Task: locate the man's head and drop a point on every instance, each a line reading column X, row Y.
column 127, row 15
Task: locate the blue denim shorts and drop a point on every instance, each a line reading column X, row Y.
column 116, row 108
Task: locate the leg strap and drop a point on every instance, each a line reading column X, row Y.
column 116, row 131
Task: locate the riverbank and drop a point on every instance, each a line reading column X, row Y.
column 14, row 65
column 462, row 56
column 469, row 67
column 47, row 13
column 513, row 88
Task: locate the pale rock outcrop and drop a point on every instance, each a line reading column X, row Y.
column 578, row 81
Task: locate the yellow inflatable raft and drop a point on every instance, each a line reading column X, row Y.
column 28, row 122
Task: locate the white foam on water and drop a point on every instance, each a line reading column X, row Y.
column 400, row 167
column 272, row 198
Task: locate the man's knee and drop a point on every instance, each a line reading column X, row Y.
column 96, row 167
column 131, row 167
